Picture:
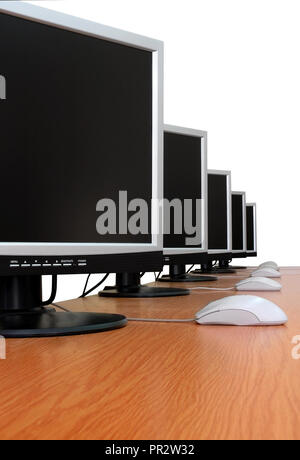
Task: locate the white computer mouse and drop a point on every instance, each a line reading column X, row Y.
column 269, row 265
column 266, row 273
column 242, row 310
column 258, row 284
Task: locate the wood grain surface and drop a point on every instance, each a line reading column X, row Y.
column 155, row 380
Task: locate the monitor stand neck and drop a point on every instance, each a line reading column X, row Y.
column 208, row 268
column 21, row 294
column 225, row 265
column 178, row 274
column 129, row 285
column 128, row 281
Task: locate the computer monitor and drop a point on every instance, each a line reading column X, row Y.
column 219, row 221
column 239, row 238
column 251, row 215
column 185, row 205
column 81, row 122
column 239, row 229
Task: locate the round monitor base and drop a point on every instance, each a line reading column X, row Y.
column 228, row 271
column 143, row 292
column 233, row 267
column 54, row 324
column 187, row 279
column 215, row 271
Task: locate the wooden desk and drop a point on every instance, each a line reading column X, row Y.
column 157, row 381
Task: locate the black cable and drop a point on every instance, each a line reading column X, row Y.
column 190, row 269
column 50, row 301
column 86, row 285
column 60, row 307
column 95, row 287
column 154, row 320
column 157, row 277
column 53, row 292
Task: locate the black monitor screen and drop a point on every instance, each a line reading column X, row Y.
column 237, row 223
column 182, row 181
column 250, row 228
column 217, row 212
column 76, row 127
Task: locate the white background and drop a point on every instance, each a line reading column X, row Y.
column 232, row 67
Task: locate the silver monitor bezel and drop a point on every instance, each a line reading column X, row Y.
column 204, row 209
column 244, row 250
column 82, row 26
column 254, row 206
column 228, row 250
